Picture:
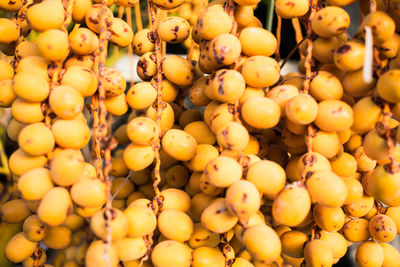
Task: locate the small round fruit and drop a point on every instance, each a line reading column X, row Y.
column 261, row 112
column 243, row 199
column 171, row 253
column 179, row 144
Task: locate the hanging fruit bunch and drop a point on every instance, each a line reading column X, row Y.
column 211, row 159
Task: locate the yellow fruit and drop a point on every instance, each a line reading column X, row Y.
column 262, row 242
column 225, row 85
column 330, row 219
column 288, row 9
column 243, row 199
column 11, row 6
column 206, row 256
column 356, row 230
column 350, row 56
column 354, row 190
column 31, row 87
column 53, row 45
column 260, row 71
column 74, row 222
column 233, row 136
column 73, row 134
column 142, row 131
column 268, row 177
column 222, row 171
column 175, row 225
column 384, row 184
column 326, row 188
column 55, row 206
column 26, row 112
column 382, row 228
column 19, row 248
column 330, row 21
column 118, row 224
column 167, row 116
column 173, row 29
column 204, row 153
column 178, row 70
column 216, row 217
column 36, row 139
column 207, row 21
column 175, row 199
column 14, row 211
column 9, row 31
column 369, row 253
column 318, row 253
column 58, row 237
column 202, row 237
column 46, row 15
column 171, row 253
column 261, row 112
column 391, row 255
column 7, row 94
column 20, row 162
column 66, row 102
column 360, row 207
column 293, row 243
column 96, row 256
column 34, row 184
column 138, row 157
column 201, row 132
column 67, row 167
column 334, row 116
column 38, row 257
column 121, row 33
column 336, row 242
column 131, row 248
column 291, row 206
column 121, row 188
column 34, row 229
column 141, row 220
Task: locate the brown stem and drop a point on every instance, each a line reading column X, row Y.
column 278, row 38
column 138, row 17
column 299, row 34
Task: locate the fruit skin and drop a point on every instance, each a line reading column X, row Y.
column 293, row 243
column 364, row 252
column 46, row 15
column 95, row 256
column 206, row 256
column 291, row 9
column 387, row 87
column 317, row 253
column 291, row 206
column 330, row 21
column 243, row 199
column 268, row 176
column 7, row 231
column 14, row 211
column 326, row 188
column 130, row 248
column 216, row 217
column 9, row 31
column 171, row 253
column 384, row 185
column 391, row 255
column 262, row 242
column 382, row 228
column 19, row 248
column 55, row 206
